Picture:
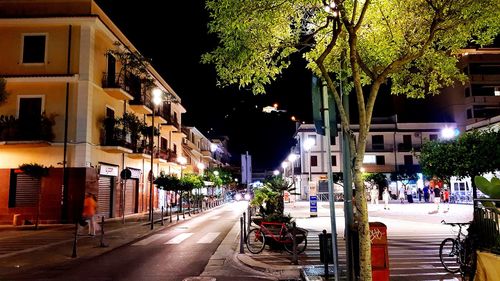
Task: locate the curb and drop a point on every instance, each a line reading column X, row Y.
column 292, row 271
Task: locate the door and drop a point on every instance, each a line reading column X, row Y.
column 111, row 79
column 104, row 196
column 130, row 191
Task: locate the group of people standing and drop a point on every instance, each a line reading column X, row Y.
column 435, row 194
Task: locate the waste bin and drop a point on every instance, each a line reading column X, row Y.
column 379, row 252
column 329, row 250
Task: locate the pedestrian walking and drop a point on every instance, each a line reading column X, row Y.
column 446, row 198
column 426, row 193
column 402, row 194
column 89, row 211
column 385, row 197
column 419, row 191
column 437, row 197
column 374, row 194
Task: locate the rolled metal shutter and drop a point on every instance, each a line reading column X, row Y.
column 130, row 196
column 104, row 197
column 27, row 189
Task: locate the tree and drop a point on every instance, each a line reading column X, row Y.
column 413, row 46
column 472, row 154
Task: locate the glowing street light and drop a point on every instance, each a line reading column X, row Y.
column 449, row 133
column 155, row 101
column 276, row 173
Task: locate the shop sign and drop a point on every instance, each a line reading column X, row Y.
column 107, row 170
column 136, row 173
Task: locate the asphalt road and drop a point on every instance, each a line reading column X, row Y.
column 172, row 255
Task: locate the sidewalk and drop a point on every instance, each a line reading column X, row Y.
column 402, row 220
column 23, row 249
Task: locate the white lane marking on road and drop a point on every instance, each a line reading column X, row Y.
column 208, row 238
column 149, row 239
column 179, row 238
column 214, row 218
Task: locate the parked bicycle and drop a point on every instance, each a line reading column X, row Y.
column 457, row 254
column 278, row 232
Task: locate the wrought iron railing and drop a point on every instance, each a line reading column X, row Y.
column 487, row 224
column 27, row 129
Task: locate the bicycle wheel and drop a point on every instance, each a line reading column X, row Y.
column 301, row 240
column 255, row 241
column 449, row 255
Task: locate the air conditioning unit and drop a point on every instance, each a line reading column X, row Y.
column 417, row 134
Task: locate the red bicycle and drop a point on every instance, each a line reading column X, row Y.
column 277, row 232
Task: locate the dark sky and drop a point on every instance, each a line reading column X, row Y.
column 174, row 35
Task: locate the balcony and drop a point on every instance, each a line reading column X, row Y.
column 380, row 148
column 119, row 139
column 114, row 88
column 27, row 132
column 485, row 77
column 165, row 156
column 407, row 147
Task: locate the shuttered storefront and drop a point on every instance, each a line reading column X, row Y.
column 130, row 191
column 104, row 196
column 27, row 189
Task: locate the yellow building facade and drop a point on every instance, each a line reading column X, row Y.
column 76, row 105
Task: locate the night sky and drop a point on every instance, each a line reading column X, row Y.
column 174, row 35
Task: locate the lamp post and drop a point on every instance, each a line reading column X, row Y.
column 284, row 164
column 155, row 101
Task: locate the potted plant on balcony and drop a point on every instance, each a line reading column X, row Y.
column 3, row 91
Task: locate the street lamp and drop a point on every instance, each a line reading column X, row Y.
column 182, row 161
column 284, row 165
column 448, row 133
column 276, row 173
column 155, row 101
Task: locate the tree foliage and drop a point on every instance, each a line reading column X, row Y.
column 190, row 181
column 413, row 46
column 167, row 182
column 473, row 153
column 34, row 170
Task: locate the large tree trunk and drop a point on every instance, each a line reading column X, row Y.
column 363, row 229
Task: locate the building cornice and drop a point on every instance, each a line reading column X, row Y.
column 43, row 79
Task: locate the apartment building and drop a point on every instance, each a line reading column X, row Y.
column 78, row 105
column 388, row 150
column 200, row 151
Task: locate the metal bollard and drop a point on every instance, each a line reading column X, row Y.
column 162, row 216
column 244, row 226
column 295, row 259
column 101, row 244
column 241, row 236
column 249, row 220
column 325, row 252
column 177, row 211
column 170, row 212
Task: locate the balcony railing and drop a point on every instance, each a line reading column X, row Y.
column 116, row 136
column 27, row 129
column 407, row 147
column 380, row 148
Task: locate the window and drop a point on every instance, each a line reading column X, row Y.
column 467, row 92
column 175, row 149
column 164, row 144
column 30, row 108
column 24, row 190
column 34, row 49
column 314, row 160
column 407, row 139
column 110, row 112
column 433, row 137
column 380, row 159
column 378, row 142
column 469, row 113
column 334, row 160
column 408, row 160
